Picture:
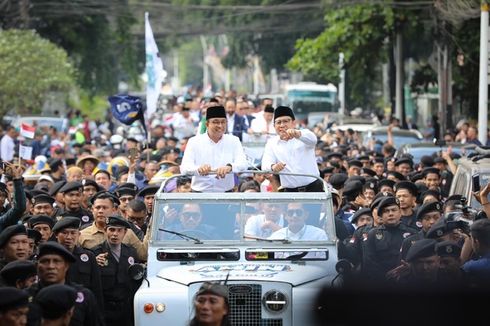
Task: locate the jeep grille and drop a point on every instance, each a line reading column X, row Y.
column 246, row 306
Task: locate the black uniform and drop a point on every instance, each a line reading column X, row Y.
column 382, row 250
column 86, row 272
column 86, row 312
column 410, row 220
column 355, row 245
column 118, row 288
column 84, row 215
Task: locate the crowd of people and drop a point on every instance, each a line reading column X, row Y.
column 76, row 217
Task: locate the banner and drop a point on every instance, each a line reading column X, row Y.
column 154, row 71
column 27, row 131
column 126, row 108
column 25, row 152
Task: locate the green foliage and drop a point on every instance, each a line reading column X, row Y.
column 360, row 32
column 30, row 68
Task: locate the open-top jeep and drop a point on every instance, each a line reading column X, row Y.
column 273, row 274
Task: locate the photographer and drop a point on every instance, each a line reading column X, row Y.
column 18, row 204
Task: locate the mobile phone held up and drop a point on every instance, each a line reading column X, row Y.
column 476, row 182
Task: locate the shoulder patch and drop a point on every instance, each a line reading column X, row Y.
column 80, row 297
column 84, row 258
column 130, row 260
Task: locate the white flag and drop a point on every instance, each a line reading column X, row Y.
column 154, row 71
column 25, row 152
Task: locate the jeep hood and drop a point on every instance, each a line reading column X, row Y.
column 277, row 272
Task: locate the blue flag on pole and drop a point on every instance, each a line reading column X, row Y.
column 126, row 108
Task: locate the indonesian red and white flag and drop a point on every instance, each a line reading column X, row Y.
column 27, row 131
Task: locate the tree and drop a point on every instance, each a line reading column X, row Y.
column 30, row 68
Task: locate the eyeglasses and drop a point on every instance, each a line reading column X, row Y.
column 297, row 212
column 193, row 215
column 281, row 122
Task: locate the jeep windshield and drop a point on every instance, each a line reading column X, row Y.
column 251, row 219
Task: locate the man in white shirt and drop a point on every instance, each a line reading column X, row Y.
column 184, row 124
column 292, row 151
column 263, row 123
column 263, row 225
column 297, row 230
column 214, row 151
column 7, row 145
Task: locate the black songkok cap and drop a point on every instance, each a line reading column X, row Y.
column 12, row 298
column 421, row 249
column 215, row 112
column 55, row 300
column 283, row 111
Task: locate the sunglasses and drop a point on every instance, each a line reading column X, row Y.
column 193, row 215
column 297, row 212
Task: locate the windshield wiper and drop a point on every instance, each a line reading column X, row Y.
column 265, row 239
column 182, row 235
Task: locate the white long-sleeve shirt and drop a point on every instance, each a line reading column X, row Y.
column 202, row 150
column 260, row 125
column 298, row 154
column 7, row 148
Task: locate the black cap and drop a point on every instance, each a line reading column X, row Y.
column 104, row 194
column 335, row 154
column 416, row 176
column 368, row 171
column 455, row 197
column 67, row 222
column 361, row 212
column 12, row 298
column 41, row 219
column 386, row 182
column 386, row 202
column 215, row 112
column 55, row 164
column 126, row 189
column 378, row 199
column 397, row 175
column 90, row 182
column 11, row 231
column 427, row 160
column 337, row 180
column 55, row 188
column 170, row 150
column 426, row 171
column 448, row 248
column 213, row 288
column 116, row 220
column 72, row 186
column 355, row 163
column 43, row 198
column 421, row 249
column 442, row 227
column 428, row 208
column 52, row 247
column 55, row 300
column 283, row 111
column 404, row 160
column 430, row 192
column 148, row 190
column 440, row 160
column 34, row 235
column 18, row 270
column 371, row 184
column 352, row 188
column 410, row 186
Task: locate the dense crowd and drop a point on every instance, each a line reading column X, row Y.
column 75, row 217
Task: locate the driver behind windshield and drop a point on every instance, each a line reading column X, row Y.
column 297, row 228
column 190, row 223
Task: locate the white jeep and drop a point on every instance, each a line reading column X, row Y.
column 273, row 278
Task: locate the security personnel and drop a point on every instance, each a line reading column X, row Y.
column 125, row 193
column 407, row 192
column 19, row 274
column 423, row 264
column 90, row 188
column 72, row 197
column 148, row 195
column 427, row 215
column 44, row 225
column 54, row 261
column 14, row 306
column 56, row 302
column 84, row 270
column 450, row 271
column 42, row 205
column 383, row 243
column 14, row 244
column 211, row 305
column 114, row 259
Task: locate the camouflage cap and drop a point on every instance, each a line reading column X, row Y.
column 213, row 288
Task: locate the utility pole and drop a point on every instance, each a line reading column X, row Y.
column 399, row 77
column 342, row 85
column 205, row 67
column 483, row 85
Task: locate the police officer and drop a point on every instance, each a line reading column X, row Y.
column 211, row 305
column 84, row 270
column 72, row 197
column 114, row 258
column 383, row 243
column 427, row 215
column 53, row 264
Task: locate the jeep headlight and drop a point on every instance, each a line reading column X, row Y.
column 275, row 301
